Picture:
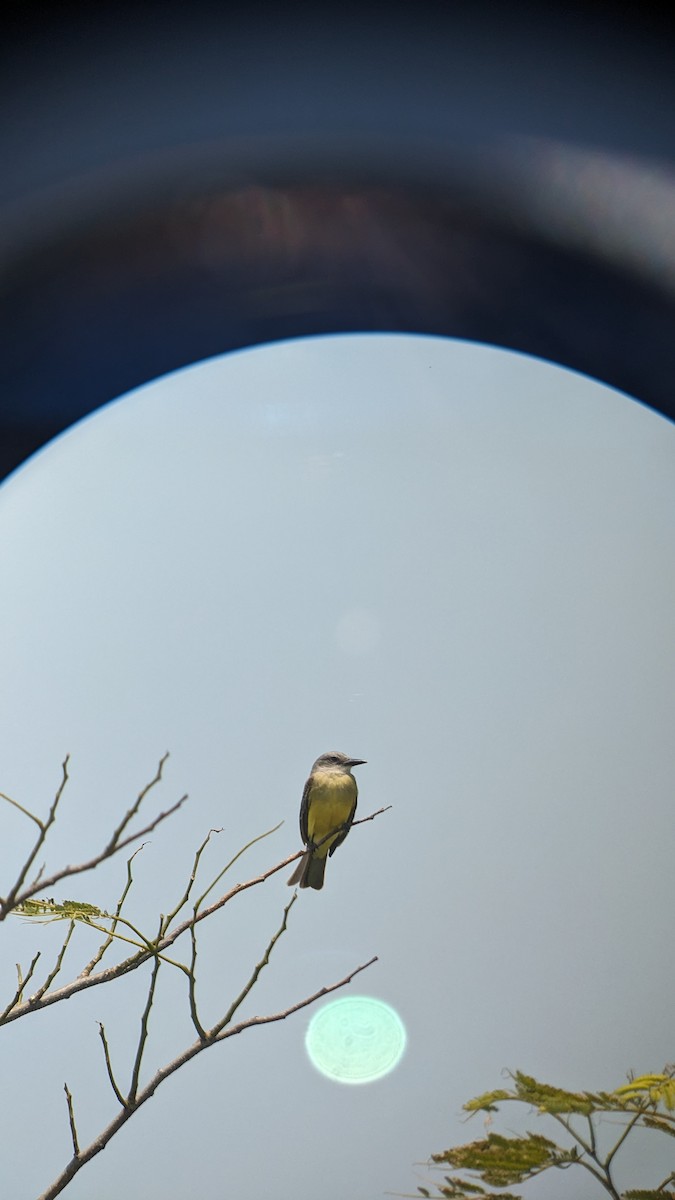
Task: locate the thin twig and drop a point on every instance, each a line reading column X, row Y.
column 259, row 837
column 129, row 815
column 57, row 965
column 191, row 881
column 588, row 1148
column 115, row 843
column 108, row 1066
column 23, row 980
column 71, row 1121
column 256, row 971
column 10, row 901
column 597, row 1172
column 192, row 990
column 143, row 1037
column 118, row 912
column 281, row 1016
column 591, row 1130
column 635, row 1120
column 107, row 853
column 26, row 812
column 371, row 817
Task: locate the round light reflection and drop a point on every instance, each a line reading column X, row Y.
column 356, row 1039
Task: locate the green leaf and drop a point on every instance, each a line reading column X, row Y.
column 50, row 910
column 500, row 1160
column 473, row 1189
column 659, row 1123
column 551, row 1099
column 639, row 1194
column 488, row 1101
column 77, row 910
column 657, row 1089
column 461, row 1189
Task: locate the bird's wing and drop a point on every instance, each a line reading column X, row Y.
column 347, row 824
column 304, row 810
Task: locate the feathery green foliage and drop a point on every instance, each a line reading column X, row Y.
column 646, row 1101
column 503, row 1160
column 50, row 910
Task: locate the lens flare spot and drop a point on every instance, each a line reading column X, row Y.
column 356, row 1039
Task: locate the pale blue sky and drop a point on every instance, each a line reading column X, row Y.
column 450, row 560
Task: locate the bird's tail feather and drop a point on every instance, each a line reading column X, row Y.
column 309, row 872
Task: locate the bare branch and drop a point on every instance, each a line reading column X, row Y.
column 114, row 843
column 281, row 1016
column 607, row 1164
column 191, row 881
column 57, row 965
column 193, row 987
column 20, row 989
column 90, row 864
column 118, row 911
column 146, row 1093
column 71, row 1121
column 233, row 860
column 10, row 901
column 144, row 950
column 371, row 817
column 143, row 1037
column 256, row 971
column 26, row 812
column 108, row 1066
column 585, row 1146
column 136, row 960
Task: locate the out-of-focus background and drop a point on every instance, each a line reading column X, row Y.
column 195, row 181
column 412, row 518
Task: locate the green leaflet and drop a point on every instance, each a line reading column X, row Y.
column 459, row 1189
column 69, row 910
column 551, row 1099
column 656, row 1122
column 639, row 1194
column 500, row 1160
column 488, row 1101
column 503, row 1160
column 658, row 1089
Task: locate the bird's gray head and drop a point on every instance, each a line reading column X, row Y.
column 336, row 760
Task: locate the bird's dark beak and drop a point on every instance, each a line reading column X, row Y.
column 357, row 762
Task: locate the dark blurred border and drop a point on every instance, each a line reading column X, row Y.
column 179, row 184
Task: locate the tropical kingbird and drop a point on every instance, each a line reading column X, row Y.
column 326, row 813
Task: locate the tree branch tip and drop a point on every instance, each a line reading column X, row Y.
column 160, row 766
column 371, row 816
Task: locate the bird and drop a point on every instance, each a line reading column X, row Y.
column 326, row 814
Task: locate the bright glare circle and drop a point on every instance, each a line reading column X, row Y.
column 356, row 1039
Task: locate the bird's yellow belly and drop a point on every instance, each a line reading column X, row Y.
column 331, row 803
